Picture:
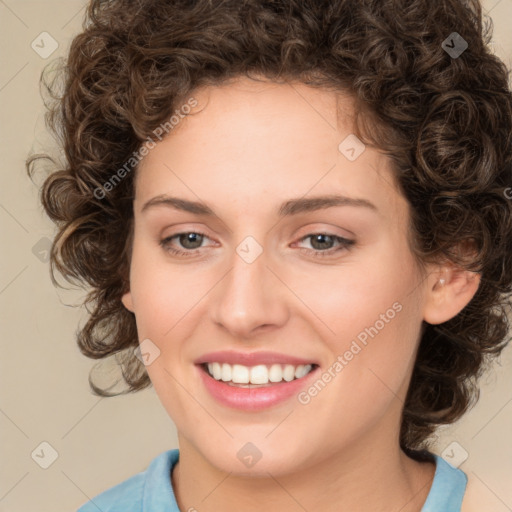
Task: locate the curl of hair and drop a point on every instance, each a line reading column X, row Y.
column 445, row 122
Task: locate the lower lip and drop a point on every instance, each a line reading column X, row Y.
column 253, row 399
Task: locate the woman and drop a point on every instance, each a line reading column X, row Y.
column 294, row 220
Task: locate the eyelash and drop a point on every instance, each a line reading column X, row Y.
column 345, row 244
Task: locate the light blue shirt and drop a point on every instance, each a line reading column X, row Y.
column 151, row 490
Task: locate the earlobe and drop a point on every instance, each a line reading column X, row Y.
column 448, row 293
column 126, row 299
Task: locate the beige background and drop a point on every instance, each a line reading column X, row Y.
column 44, row 390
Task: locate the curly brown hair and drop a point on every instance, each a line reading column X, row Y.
column 445, row 121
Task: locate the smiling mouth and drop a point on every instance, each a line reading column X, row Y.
column 261, row 375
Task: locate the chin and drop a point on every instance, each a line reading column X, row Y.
column 248, row 459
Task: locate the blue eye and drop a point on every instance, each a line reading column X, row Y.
column 193, row 237
column 183, row 237
column 344, row 243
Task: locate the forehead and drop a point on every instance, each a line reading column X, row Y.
column 246, row 141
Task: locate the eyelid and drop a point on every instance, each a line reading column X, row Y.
column 327, row 229
column 316, row 228
column 309, row 231
column 343, row 244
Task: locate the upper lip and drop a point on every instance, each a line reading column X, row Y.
column 251, row 358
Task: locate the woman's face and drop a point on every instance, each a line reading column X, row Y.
column 262, row 278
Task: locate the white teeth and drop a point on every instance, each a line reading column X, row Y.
column 289, row 373
column 216, row 370
column 240, row 374
column 276, row 373
column 226, row 372
column 302, row 370
column 259, row 374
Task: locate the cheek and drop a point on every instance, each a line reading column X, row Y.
column 361, row 293
column 162, row 293
column 374, row 318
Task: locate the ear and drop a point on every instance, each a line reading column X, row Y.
column 449, row 290
column 127, row 301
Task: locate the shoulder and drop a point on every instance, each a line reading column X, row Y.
column 447, row 489
column 128, row 495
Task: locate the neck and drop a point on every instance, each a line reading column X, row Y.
column 373, row 475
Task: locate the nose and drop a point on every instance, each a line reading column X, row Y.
column 250, row 298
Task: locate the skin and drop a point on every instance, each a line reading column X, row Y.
column 249, row 147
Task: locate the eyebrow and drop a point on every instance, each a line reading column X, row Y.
column 288, row 208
